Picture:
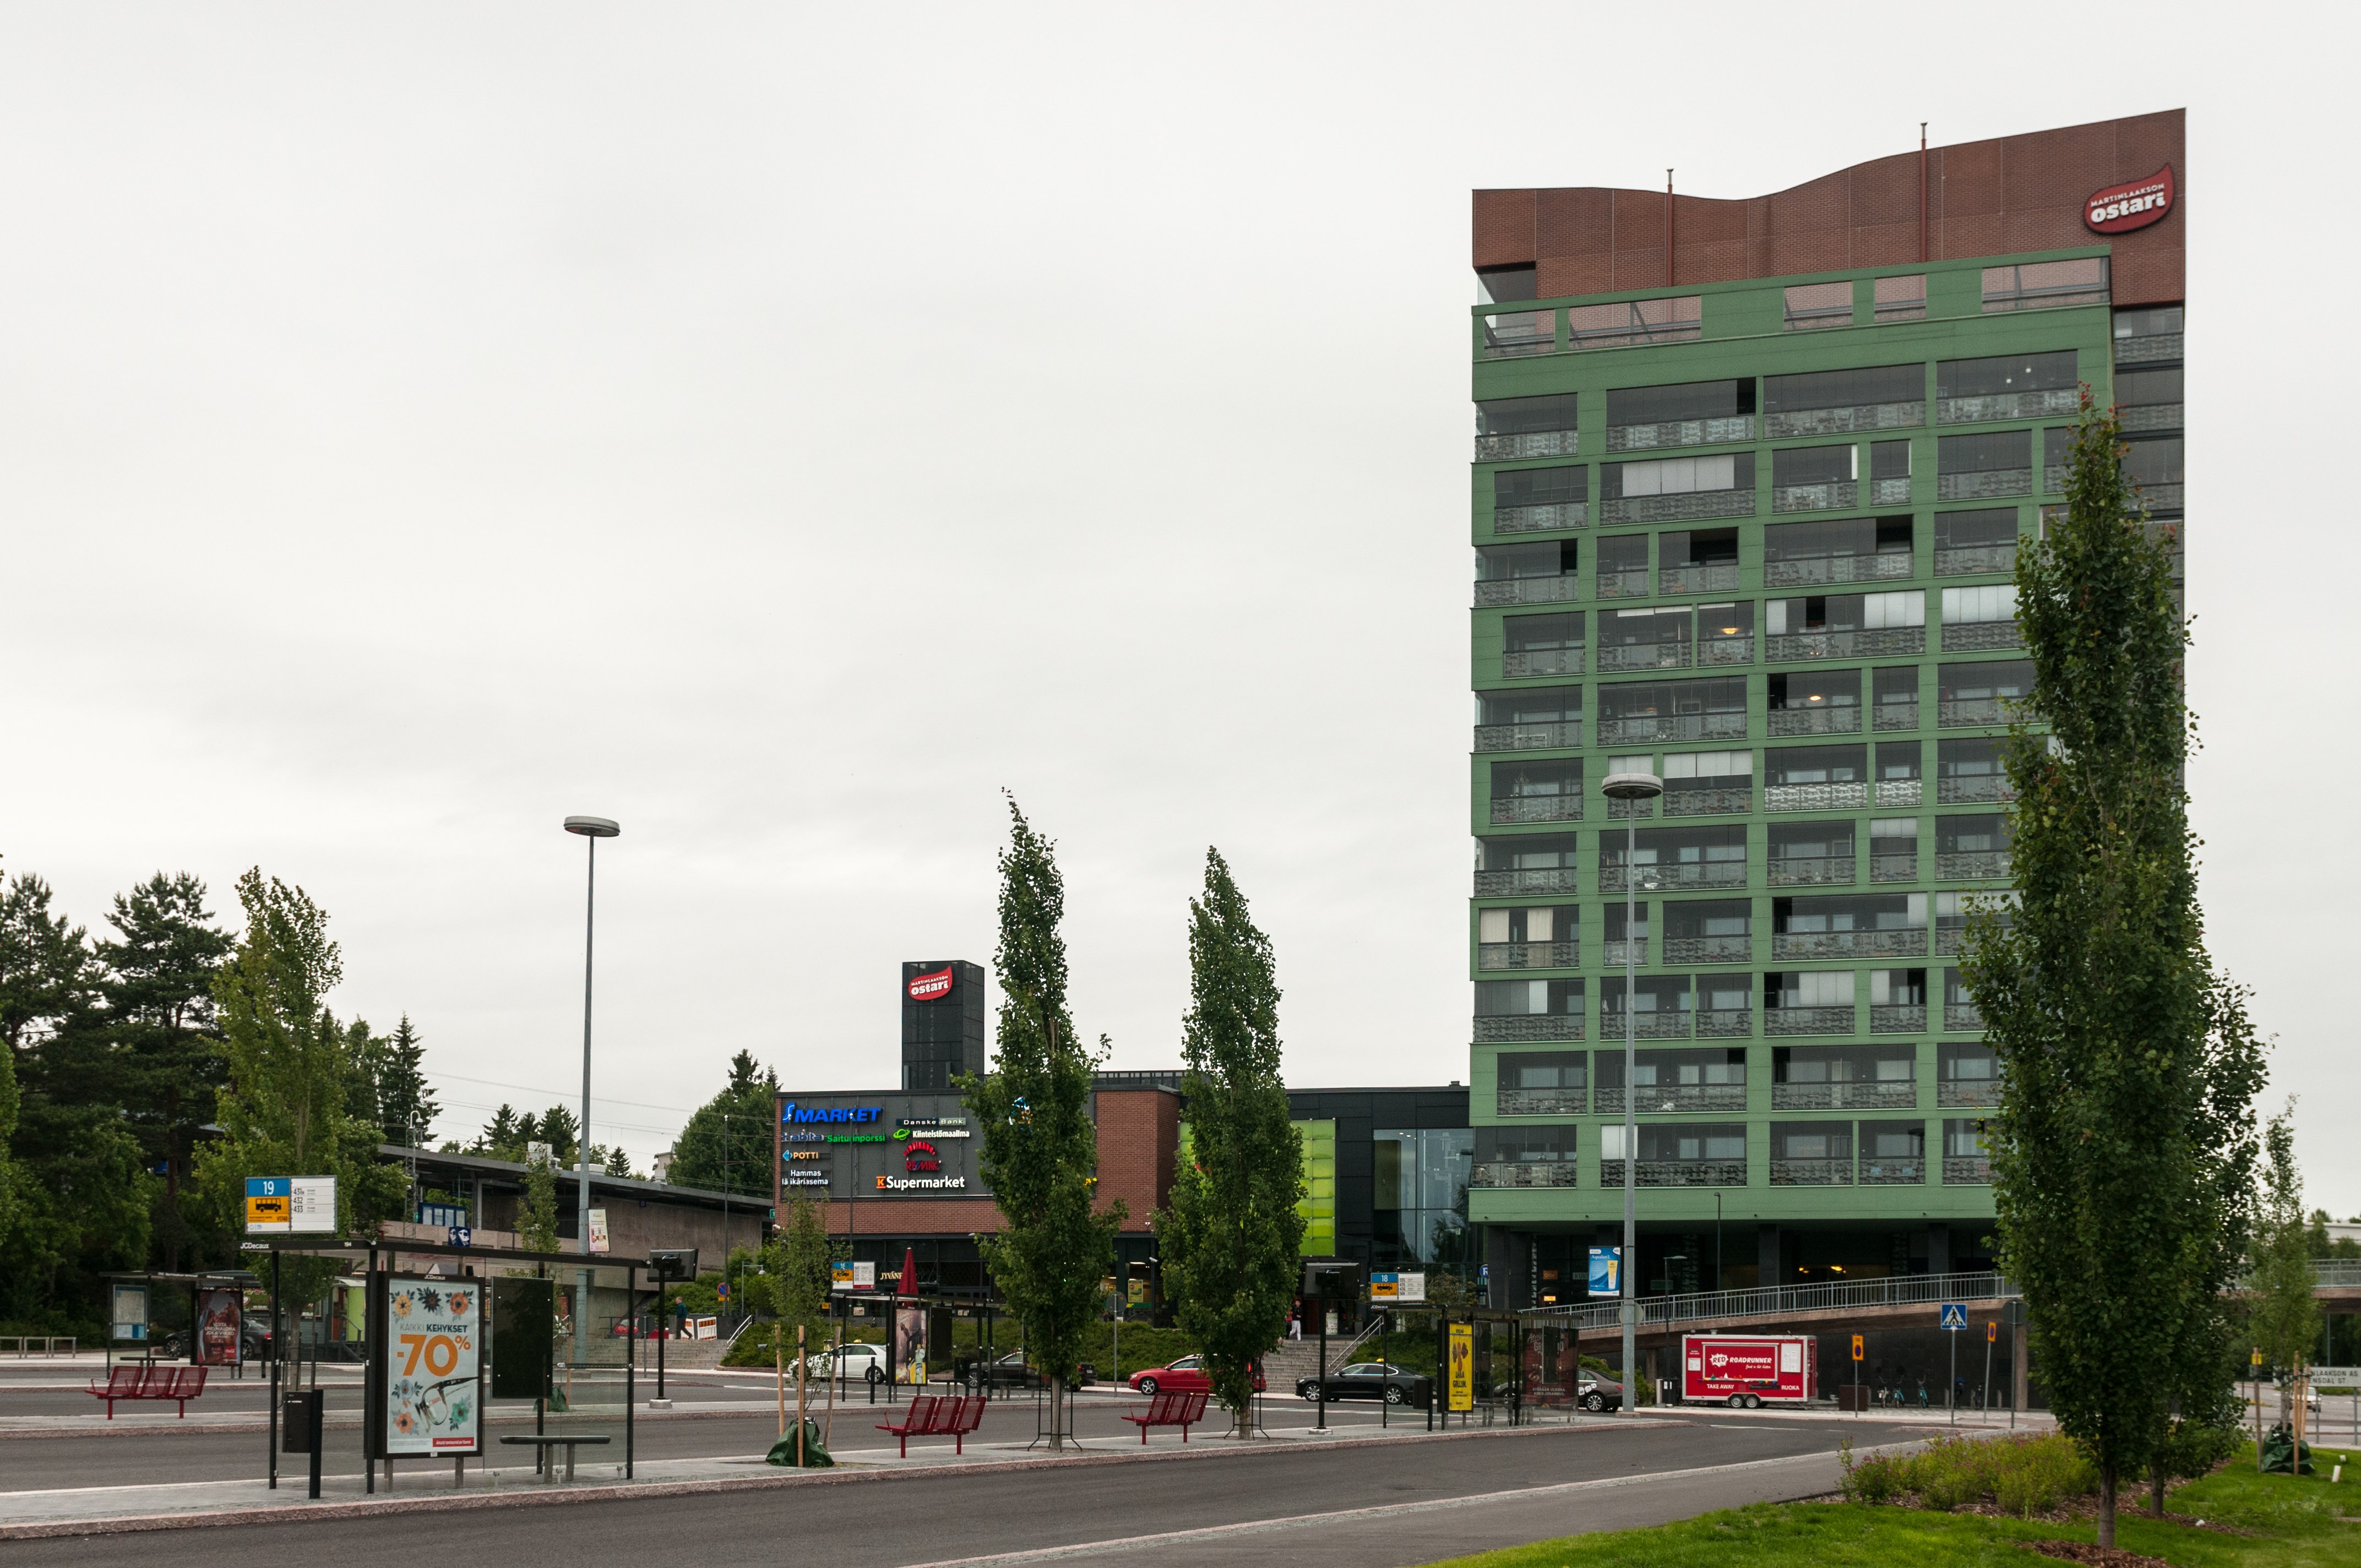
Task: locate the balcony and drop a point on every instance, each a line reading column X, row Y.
column 1724, row 1023
column 1814, row 796
column 1893, row 868
column 1962, row 1170
column 1813, row 721
column 1866, row 641
column 1553, row 736
column 1706, row 802
column 1676, row 1173
column 1896, row 716
column 1541, row 519
column 1948, row 938
column 1671, row 1025
column 1671, row 1098
column 1679, row 432
column 1898, row 792
column 1867, row 1095
column 1516, row 1028
column 2152, row 416
column 1840, row 421
column 1526, row 662
column 1501, row 884
column 1525, row 955
column 1963, row 1093
column 1688, row 506
column 1501, row 591
column 1903, row 943
column 1676, row 874
column 1825, row 496
column 2008, row 405
column 1981, row 636
column 1530, row 443
column 1889, row 492
column 1618, row 955
column 1962, row 1015
column 1811, row 1173
column 1898, row 1018
column 2053, row 479
column 2162, row 498
column 1727, row 650
column 1714, row 577
column 1510, row 808
column 1971, row 863
column 1497, row 1174
column 1632, row 656
column 1893, row 1172
column 1622, row 810
column 1979, row 484
column 1645, row 728
column 2163, row 349
column 1974, row 558
column 1538, row 1102
column 1708, row 949
column 1964, row 710
column 1519, row 335
column 1811, row 870
column 1632, row 585
column 1883, row 566
column 1807, row 1020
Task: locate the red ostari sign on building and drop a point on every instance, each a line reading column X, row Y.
column 932, row 986
column 2119, row 209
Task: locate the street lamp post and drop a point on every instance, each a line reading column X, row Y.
column 1631, row 789
column 593, row 829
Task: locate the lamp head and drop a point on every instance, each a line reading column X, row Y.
column 594, row 827
column 1632, row 786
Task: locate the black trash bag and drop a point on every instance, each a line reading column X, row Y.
column 816, row 1453
column 2282, row 1455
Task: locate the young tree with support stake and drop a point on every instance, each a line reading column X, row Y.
column 1231, row 1238
column 2125, row 1061
column 794, row 1284
column 1040, row 1148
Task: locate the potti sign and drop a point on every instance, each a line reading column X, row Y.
column 2119, row 209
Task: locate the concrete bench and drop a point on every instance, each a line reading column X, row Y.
column 179, row 1384
column 1170, row 1408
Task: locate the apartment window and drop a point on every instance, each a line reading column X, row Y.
column 1708, row 770
column 1901, row 299
column 1814, row 844
column 1683, row 1142
column 1518, row 335
column 1623, row 565
column 1700, row 547
column 1725, row 632
column 1528, row 998
column 1894, row 840
column 1617, row 928
column 1540, row 786
column 1815, row 764
column 1824, row 1141
column 1531, row 705
column 1541, row 1144
column 1676, row 475
column 1643, row 639
column 1897, row 762
column 2155, row 321
column 1680, row 319
column 1985, row 453
column 1710, row 919
column 1665, row 996
column 1845, row 612
column 1669, row 849
column 1980, row 541
column 1501, row 563
column 1551, row 923
column 1811, row 306
column 1889, row 460
column 1526, row 416
column 2151, row 463
column 1817, row 550
column 1965, row 1063
column 1894, row 691
column 1898, row 988
column 1632, row 710
column 1838, row 913
column 1540, row 486
column 1807, row 988
column 1506, row 285
column 2046, row 285
column 1999, row 681
column 1815, row 689
column 2006, row 373
column 2149, row 389
column 1687, row 403
column 1977, row 836
column 1543, row 1069
column 1993, row 601
column 1814, row 466
column 1541, row 633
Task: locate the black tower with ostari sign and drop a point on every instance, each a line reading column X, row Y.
column 943, row 1022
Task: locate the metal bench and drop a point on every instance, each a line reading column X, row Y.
column 549, row 1440
column 938, row 1415
column 1170, row 1408
column 179, row 1384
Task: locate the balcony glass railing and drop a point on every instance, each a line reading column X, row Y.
column 1622, row 810
column 1889, row 492
column 1869, row 1094
column 1527, row 443
column 1724, row 1023
column 1725, row 949
column 1676, row 1173
column 1686, row 505
column 1522, row 662
column 1810, row 871
column 1868, row 568
column 1811, row 1173
column 1518, row 335
column 1967, row 560
column 1501, row 591
column 2163, row 348
column 1632, row 585
column 1706, row 802
column 1822, row 496
column 1979, row 636
column 1982, row 482
column 1839, row 421
column 1551, row 879
column 1644, row 656
column 1541, row 519
column 1843, row 720
column 1907, row 942
column 1866, row 641
column 1964, row 710
column 2008, row 405
column 1896, row 716
column 1529, row 1026
column 1679, row 432
column 1493, row 1175
column 1678, row 874
column 1540, row 1101
column 1726, row 651
column 1961, row 1170
column 1893, row 868
column 1891, row 1172
column 1525, row 955
column 1962, row 1015
column 1667, row 1024
column 2152, row 416
column 1814, row 796
column 1506, row 808
column 1898, row 792
column 1714, row 578
column 1897, row 1018
column 1957, row 1093
column 1618, row 954
column 1641, row 727
column 1808, row 1020
column 1553, row 736
column 1669, row 1098
column 1971, row 863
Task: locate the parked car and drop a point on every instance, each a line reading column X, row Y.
column 1598, row 1394
column 1368, row 1380
column 1186, row 1375
column 254, row 1341
column 855, row 1361
column 1012, row 1371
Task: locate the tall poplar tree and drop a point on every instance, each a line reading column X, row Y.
column 2118, row 1073
column 1040, row 1152
column 1233, row 1237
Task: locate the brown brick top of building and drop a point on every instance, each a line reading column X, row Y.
column 2002, row 197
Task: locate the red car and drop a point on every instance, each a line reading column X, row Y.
column 1185, row 1375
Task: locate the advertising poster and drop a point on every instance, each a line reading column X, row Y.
column 599, row 1236
column 911, row 1343
column 1606, row 1271
column 1463, row 1368
column 130, row 1317
column 430, row 1387
column 218, row 1313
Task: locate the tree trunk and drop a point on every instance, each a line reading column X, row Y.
column 800, row 1360
column 1057, row 1415
column 2107, row 1503
column 2156, row 1491
column 779, row 1361
column 835, row 1376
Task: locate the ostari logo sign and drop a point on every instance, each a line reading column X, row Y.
column 2119, row 209
column 932, row 986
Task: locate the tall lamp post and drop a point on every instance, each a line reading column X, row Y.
column 593, row 829
column 1630, row 788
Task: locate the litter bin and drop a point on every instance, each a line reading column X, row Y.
column 301, row 1418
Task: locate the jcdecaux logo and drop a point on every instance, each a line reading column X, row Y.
column 791, row 1111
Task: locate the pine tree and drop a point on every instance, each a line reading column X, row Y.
column 563, row 1134
column 2120, row 1091
column 725, row 1146
column 1040, row 1148
column 1233, row 1237
column 500, row 1135
column 406, row 1102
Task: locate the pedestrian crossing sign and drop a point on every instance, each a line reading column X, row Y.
column 1955, row 1314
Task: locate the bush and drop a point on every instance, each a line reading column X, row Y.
column 2021, row 1475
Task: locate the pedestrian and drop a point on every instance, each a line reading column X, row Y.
column 1295, row 1328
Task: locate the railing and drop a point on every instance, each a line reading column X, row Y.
column 1973, row 789
column 2163, row 498
column 1893, row 1172
column 1714, row 577
column 1894, row 716
column 1497, row 591
column 1838, row 421
column 1553, row 735
column 1961, row 710
column 1497, row 1174
column 1517, row 335
column 1644, row 656
column 1512, row 1029
column 1845, row 720
column 1897, row 1018
column 1726, row 651
column 1810, row 871
column 1898, row 792
column 1672, row 1023
column 1539, row 1102
column 1814, row 796
column 1677, row 873
column 1973, row 558
column 1704, row 1306
column 2328, row 1273
column 1971, row 863
column 1676, row 1173
column 1631, row 585
column 1977, row 636
column 2162, row 348
column 1708, row 949
column 1982, row 482
column 1865, row 1095
column 1955, row 1093
column 1811, row 1173
column 1673, row 727
column 1549, row 878
column 1848, row 644
column 1807, row 1020
column 1523, row 661
column 1893, row 868
column 1889, row 492
column 1821, row 496
column 1624, row 810
column 1962, row 1015
column 2007, row 405
column 1706, row 802
column 1910, row 942
column 1874, row 568
column 1947, row 937
column 2053, row 479
column 1686, row 507
column 1541, row 518
column 1724, row 1023
column 1679, row 432
column 1669, row 1098
column 1616, row 954
column 1508, row 809
column 1962, row 1170
column 49, row 1343
column 1525, row 955
column 1526, row 443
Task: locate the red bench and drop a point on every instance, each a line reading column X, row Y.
column 1175, row 1407
column 179, row 1384
column 939, row 1415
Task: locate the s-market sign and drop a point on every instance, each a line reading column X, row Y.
column 2119, row 209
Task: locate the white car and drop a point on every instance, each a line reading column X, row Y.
column 863, row 1361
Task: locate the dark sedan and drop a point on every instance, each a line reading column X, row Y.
column 1368, row 1380
column 1012, row 1371
column 1598, row 1394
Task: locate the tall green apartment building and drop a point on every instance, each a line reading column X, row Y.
column 1748, row 479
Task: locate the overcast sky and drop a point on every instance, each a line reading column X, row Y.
column 783, row 428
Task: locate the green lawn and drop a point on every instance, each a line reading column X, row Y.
column 2294, row 1521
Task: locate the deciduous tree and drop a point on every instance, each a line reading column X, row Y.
column 725, row 1146
column 2282, row 1313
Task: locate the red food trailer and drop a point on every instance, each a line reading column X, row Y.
column 1745, row 1371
